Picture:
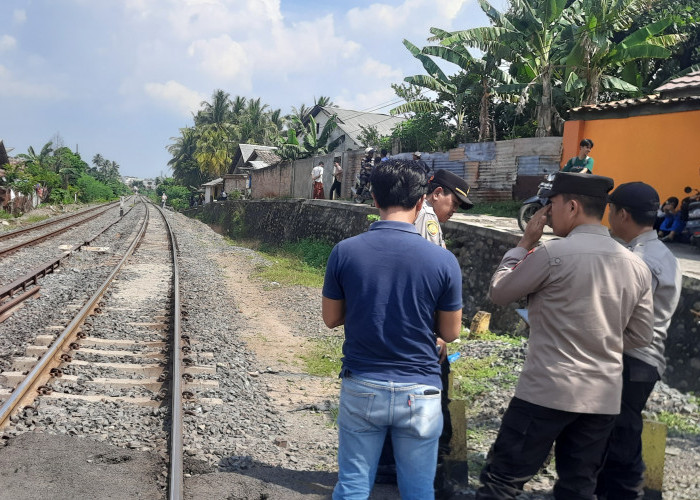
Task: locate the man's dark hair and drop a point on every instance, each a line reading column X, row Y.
column 384, row 152
column 398, row 183
column 592, row 206
column 673, row 201
column 586, row 142
column 640, row 218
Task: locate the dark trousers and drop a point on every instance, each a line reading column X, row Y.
column 335, row 187
column 524, row 441
column 386, row 471
column 622, row 476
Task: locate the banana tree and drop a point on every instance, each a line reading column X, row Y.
column 596, row 58
column 451, row 92
column 530, row 36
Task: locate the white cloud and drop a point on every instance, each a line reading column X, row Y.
column 221, row 57
column 375, row 69
column 19, row 16
column 11, row 86
column 7, row 43
column 175, row 96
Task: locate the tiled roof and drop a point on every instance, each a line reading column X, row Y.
column 683, row 83
column 248, row 149
column 650, row 100
column 216, row 181
column 265, row 155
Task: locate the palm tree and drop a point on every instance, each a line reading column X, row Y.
column 183, row 163
column 323, row 101
column 301, row 114
column 595, row 53
column 216, row 112
column 42, row 159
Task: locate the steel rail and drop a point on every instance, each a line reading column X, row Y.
column 50, row 234
column 48, row 266
column 55, row 220
column 33, row 379
column 176, row 480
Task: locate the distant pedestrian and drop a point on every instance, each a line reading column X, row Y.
column 163, row 199
column 384, row 156
column 317, row 180
column 337, row 180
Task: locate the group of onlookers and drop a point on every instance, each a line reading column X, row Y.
column 671, row 219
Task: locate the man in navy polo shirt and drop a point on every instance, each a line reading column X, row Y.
column 390, row 309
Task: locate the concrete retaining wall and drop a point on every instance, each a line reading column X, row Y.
column 478, row 249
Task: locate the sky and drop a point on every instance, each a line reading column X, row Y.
column 121, row 77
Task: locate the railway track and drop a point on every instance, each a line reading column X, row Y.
column 109, row 365
column 13, row 270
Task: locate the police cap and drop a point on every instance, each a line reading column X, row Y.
column 596, row 186
column 454, row 183
column 636, row 196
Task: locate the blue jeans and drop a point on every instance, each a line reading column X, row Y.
column 368, row 408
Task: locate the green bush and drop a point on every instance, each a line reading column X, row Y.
column 91, row 190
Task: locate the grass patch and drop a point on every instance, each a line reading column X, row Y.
column 31, row 219
column 507, row 338
column 289, row 271
column 323, row 359
column 473, row 376
column 301, row 263
column 495, row 208
column 679, row 424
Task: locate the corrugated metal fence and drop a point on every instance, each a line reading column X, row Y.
column 503, row 170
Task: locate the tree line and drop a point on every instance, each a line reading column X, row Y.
column 62, row 176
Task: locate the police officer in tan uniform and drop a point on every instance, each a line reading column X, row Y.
column 446, row 193
column 589, row 299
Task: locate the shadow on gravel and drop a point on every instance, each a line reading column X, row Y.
column 262, row 482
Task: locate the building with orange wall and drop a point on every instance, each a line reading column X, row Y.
column 654, row 139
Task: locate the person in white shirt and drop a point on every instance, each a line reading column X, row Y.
column 317, row 179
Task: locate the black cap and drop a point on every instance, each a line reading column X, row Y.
column 595, row 186
column 454, row 183
column 635, row 196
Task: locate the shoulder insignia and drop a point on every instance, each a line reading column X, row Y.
column 432, row 227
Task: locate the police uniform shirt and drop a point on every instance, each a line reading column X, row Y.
column 428, row 225
column 666, row 290
column 588, row 300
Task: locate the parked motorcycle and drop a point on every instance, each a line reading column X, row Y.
column 691, row 212
column 534, row 203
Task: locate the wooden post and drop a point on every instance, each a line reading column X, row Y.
column 654, row 456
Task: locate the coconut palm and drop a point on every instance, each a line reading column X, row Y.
column 183, row 163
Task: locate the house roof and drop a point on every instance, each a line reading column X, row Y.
column 244, row 151
column 267, row 156
column 351, row 121
column 216, row 181
column 683, row 86
column 638, row 106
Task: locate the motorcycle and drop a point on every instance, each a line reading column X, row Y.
column 361, row 191
column 692, row 216
column 534, row 203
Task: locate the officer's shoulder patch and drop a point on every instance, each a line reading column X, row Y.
column 432, row 227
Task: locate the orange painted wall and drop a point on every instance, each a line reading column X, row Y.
column 662, row 150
